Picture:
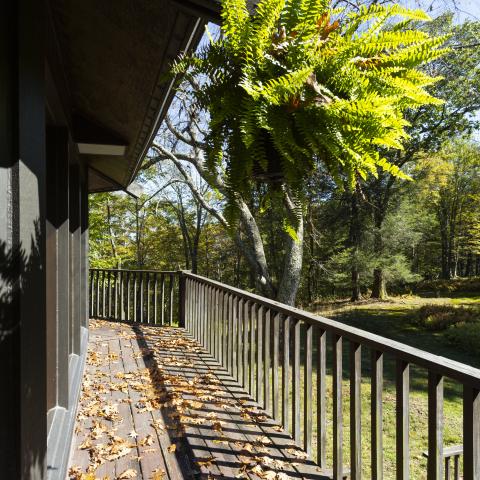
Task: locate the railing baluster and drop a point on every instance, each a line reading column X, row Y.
column 217, row 324
column 471, row 433
column 240, row 365
column 211, row 320
column 207, row 313
column 235, row 337
column 170, row 316
column 456, row 467
column 211, row 324
column 447, row 468
column 155, row 298
column 246, row 322
column 148, row 297
column 296, row 383
column 98, row 295
column 190, row 296
column 108, row 293
column 203, row 300
column 196, row 324
column 275, row 367
column 355, row 411
column 199, row 312
column 266, row 362
column 103, row 294
column 230, row 334
column 253, row 317
column 337, row 408
column 142, row 298
column 286, row 374
column 402, row 422
column 115, row 294
column 162, row 299
column 377, row 414
column 122, row 296
column 90, row 289
column 129, row 315
column 135, row 297
column 260, row 321
column 435, row 426
column 225, row 329
column 108, row 300
column 307, row 395
column 191, row 306
column 218, row 306
column 321, row 399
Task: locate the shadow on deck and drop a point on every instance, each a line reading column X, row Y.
column 155, row 405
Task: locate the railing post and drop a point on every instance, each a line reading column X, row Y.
column 435, row 427
column 471, row 433
column 181, row 299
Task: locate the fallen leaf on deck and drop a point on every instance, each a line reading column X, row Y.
column 130, row 473
column 217, row 426
column 85, row 445
column 172, row 448
column 205, row 461
column 147, row 441
column 158, row 474
column 297, row 453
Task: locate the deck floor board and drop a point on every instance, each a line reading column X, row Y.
column 155, row 405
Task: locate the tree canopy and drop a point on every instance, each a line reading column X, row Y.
column 298, row 82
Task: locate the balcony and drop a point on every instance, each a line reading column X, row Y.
column 190, row 378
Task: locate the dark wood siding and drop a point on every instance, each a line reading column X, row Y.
column 42, row 254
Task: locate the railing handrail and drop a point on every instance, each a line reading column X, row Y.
column 168, row 272
column 466, row 374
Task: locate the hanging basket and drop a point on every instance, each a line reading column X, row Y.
column 273, row 172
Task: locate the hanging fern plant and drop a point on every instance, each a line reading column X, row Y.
column 295, row 83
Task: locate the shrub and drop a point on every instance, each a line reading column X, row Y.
column 441, row 317
column 465, row 335
column 456, row 285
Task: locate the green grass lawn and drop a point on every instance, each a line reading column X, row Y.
column 393, row 319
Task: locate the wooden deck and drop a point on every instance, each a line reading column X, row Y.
column 156, row 406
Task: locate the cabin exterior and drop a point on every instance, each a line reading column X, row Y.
column 82, row 93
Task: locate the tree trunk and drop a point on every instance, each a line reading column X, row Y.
column 111, row 234
column 354, row 240
column 452, row 254
column 311, row 269
column 356, row 293
column 445, row 263
column 469, row 265
column 379, row 289
column 292, row 267
column 256, row 253
column 442, row 218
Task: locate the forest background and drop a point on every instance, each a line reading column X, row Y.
column 387, row 236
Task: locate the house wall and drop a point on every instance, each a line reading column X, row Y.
column 43, row 250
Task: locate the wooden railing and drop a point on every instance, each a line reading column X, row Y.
column 453, row 452
column 273, row 350
column 144, row 296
